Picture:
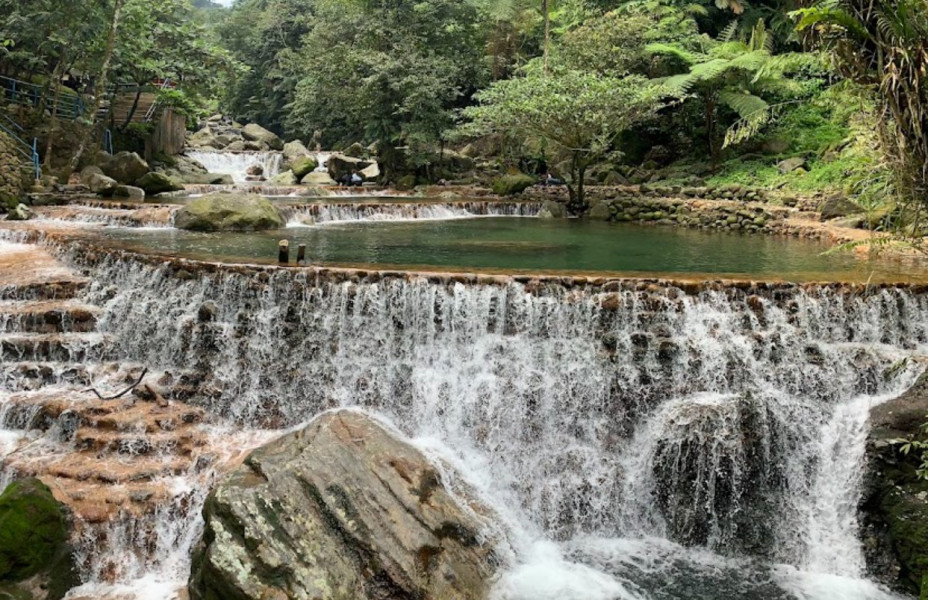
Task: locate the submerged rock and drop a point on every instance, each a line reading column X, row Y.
column 341, row 509
column 229, row 212
column 33, row 540
column 895, row 500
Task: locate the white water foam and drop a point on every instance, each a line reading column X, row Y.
column 237, row 164
column 612, row 444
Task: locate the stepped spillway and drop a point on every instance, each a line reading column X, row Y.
column 638, row 439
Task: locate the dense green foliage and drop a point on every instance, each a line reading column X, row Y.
column 92, row 48
column 884, row 47
column 712, row 92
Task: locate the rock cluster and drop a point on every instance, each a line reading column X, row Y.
column 340, row 509
column 734, row 216
column 223, row 134
column 127, row 175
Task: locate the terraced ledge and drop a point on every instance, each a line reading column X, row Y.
column 48, row 316
column 29, row 271
column 66, row 347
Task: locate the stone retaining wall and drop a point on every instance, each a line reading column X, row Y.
column 14, row 173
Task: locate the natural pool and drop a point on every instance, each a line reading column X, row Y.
column 530, row 245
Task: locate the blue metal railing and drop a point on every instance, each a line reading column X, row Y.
column 29, row 94
column 29, row 151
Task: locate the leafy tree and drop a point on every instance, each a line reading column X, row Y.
column 732, row 74
column 388, row 71
column 579, row 114
column 159, row 39
column 884, row 46
column 266, row 37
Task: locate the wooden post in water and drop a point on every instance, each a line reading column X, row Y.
column 283, row 256
column 301, row 254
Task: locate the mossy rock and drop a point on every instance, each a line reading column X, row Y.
column 509, row 185
column 303, row 166
column 33, row 530
column 600, row 212
column 229, row 212
column 158, row 183
column 406, row 183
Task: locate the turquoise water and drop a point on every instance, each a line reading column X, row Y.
column 529, row 245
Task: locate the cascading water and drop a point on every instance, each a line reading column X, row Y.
column 298, row 216
column 237, row 164
column 637, row 442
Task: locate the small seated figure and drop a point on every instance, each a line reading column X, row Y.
column 356, row 180
column 550, row 180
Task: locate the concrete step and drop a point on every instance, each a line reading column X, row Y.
column 55, row 347
column 26, row 376
column 29, row 272
column 48, row 316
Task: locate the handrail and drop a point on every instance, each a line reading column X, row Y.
column 29, row 94
column 31, row 152
column 154, row 105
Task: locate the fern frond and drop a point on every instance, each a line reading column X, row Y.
column 728, row 34
column 748, row 106
column 672, row 51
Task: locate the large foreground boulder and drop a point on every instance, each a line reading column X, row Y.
column 126, row 167
column 229, row 212
column 255, row 133
column 34, row 542
column 894, row 505
column 341, row 509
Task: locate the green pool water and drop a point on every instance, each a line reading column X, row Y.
column 493, row 244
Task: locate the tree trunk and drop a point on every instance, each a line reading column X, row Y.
column 576, row 204
column 547, row 17
column 135, row 107
column 710, row 129
column 53, row 123
column 100, row 90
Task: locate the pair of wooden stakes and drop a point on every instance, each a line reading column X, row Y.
column 283, row 253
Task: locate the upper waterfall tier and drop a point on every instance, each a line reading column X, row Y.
column 237, row 164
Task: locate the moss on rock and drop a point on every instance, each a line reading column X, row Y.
column 303, row 166
column 33, row 530
column 509, row 185
column 229, row 212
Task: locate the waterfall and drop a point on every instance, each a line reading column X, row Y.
column 319, row 213
column 237, row 164
column 638, row 441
